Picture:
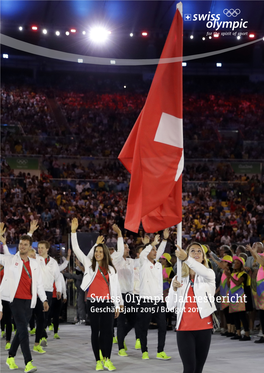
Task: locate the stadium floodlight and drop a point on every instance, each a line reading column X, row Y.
column 73, row 30
column 144, row 33
column 80, row 60
column 98, row 34
column 57, row 33
column 191, row 36
column 203, row 38
column 251, row 36
column 34, row 28
column 131, row 34
column 5, row 56
column 184, row 64
column 45, row 31
column 125, row 86
column 112, row 62
column 67, row 33
column 238, row 37
column 84, row 32
column 218, row 64
column 20, row 28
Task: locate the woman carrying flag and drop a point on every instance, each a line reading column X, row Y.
column 193, row 300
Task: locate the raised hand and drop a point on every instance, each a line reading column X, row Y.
column 156, row 240
column 74, row 225
column 248, row 248
column 2, row 229
column 33, row 226
column 145, row 239
column 180, row 253
column 166, row 233
column 117, row 230
column 100, row 240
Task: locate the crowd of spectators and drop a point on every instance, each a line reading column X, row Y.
column 210, row 214
column 220, row 125
column 219, row 206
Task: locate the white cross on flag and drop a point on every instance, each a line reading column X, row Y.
column 153, row 152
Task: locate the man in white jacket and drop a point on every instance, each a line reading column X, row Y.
column 125, row 270
column 50, row 273
column 20, row 286
column 151, row 295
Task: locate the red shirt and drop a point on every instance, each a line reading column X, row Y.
column 54, row 294
column 191, row 319
column 99, row 287
column 1, row 274
column 24, row 286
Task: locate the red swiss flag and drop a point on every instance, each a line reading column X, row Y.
column 153, row 152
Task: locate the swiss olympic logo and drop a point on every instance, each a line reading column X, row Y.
column 22, row 161
column 231, row 12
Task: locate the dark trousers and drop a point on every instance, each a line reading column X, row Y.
column 42, row 318
column 193, row 348
column 32, row 320
column 127, row 319
column 6, row 320
column 241, row 317
column 81, row 314
column 147, row 309
column 101, row 315
column 137, row 322
column 261, row 319
column 54, row 313
column 21, row 311
column 228, row 316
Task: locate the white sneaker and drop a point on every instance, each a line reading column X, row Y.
column 81, row 322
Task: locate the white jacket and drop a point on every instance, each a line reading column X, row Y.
column 63, row 286
column 204, row 290
column 89, row 274
column 151, row 280
column 50, row 272
column 13, row 268
column 124, row 267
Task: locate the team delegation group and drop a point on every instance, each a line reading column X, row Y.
column 116, row 286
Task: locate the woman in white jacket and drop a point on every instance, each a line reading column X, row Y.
column 193, row 300
column 103, row 298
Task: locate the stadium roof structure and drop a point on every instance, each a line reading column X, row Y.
column 208, row 25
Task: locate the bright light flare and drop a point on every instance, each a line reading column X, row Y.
column 34, row 28
column 144, row 33
column 99, row 35
column 251, row 36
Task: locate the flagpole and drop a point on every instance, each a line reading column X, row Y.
column 179, row 243
column 179, row 226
